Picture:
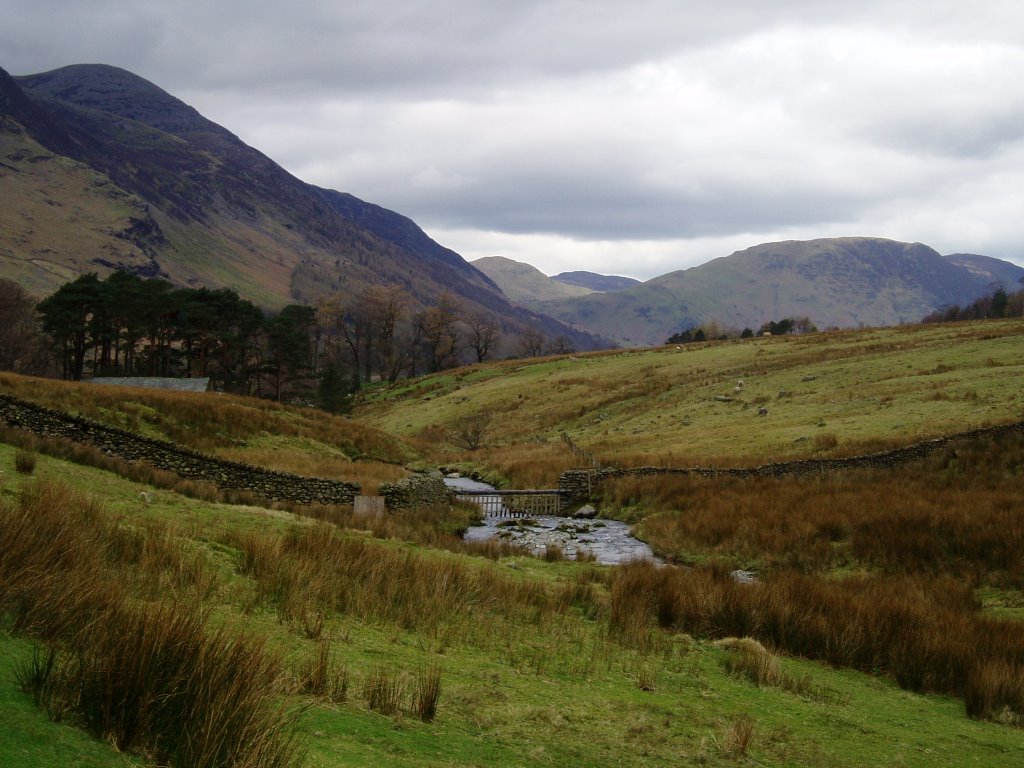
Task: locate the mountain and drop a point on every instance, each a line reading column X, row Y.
column 841, row 282
column 596, row 282
column 102, row 170
column 524, row 284
column 996, row 271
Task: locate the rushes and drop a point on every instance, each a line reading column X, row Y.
column 25, row 462
column 925, row 634
column 392, row 693
column 318, row 569
column 147, row 676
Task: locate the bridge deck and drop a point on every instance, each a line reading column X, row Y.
column 513, row 503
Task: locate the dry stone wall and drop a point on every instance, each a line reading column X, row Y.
column 415, row 491
column 578, row 484
column 226, row 475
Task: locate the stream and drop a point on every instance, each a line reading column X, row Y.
column 608, row 540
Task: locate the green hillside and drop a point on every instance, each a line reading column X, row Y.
column 844, row 282
column 826, row 394
column 525, row 284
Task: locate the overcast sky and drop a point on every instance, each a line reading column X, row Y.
column 628, row 137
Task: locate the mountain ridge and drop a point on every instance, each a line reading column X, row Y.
column 595, row 281
column 836, row 282
column 190, row 201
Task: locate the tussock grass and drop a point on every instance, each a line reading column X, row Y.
column 317, row 570
column 924, row 632
column 139, row 471
column 149, row 677
column 954, row 513
column 25, row 462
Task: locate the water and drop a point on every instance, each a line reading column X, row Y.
column 608, row 540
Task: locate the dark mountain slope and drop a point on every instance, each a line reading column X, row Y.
column 207, row 208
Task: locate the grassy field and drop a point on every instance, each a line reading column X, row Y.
column 827, row 394
column 883, row 629
column 532, row 670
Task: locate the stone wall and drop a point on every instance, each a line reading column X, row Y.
column 226, row 475
column 578, row 484
column 415, row 491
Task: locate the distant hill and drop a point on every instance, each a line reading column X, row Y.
column 596, row 282
column 996, row 271
column 102, row 170
column 524, row 284
column 840, row 282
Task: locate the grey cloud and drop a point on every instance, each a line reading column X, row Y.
column 650, row 120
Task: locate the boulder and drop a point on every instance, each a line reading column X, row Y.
column 586, row 512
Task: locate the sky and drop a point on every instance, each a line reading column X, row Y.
column 631, row 137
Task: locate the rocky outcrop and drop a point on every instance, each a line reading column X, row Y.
column 226, row 475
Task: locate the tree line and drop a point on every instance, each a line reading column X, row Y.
column 997, row 304
column 712, row 331
column 125, row 325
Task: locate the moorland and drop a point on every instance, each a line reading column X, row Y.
column 882, row 627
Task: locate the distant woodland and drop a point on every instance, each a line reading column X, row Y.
column 126, row 325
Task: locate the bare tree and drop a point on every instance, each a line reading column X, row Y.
column 470, row 432
column 438, row 328
column 532, row 342
column 383, row 308
column 484, row 334
column 562, row 346
column 22, row 346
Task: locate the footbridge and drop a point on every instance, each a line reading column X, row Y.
column 513, row 503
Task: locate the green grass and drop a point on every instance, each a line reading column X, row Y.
column 826, row 394
column 28, row 739
column 552, row 693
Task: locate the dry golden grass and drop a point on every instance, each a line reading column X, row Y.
column 209, row 422
column 925, row 632
column 956, row 513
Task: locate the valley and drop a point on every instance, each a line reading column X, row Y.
column 392, row 640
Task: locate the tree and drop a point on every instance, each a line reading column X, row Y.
column 383, row 308
column 438, row 333
column 470, row 432
column 333, row 394
column 484, row 334
column 562, row 346
column 1000, row 301
column 684, row 337
column 532, row 342
column 289, row 346
column 66, row 315
column 22, row 344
